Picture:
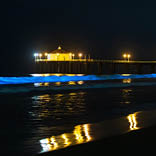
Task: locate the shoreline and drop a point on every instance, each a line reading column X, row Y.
column 126, row 133
column 137, row 141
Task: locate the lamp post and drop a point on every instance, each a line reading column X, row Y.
column 46, row 55
column 40, row 55
column 127, row 56
column 35, row 55
column 73, row 56
column 80, row 55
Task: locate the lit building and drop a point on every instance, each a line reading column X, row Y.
column 59, row 55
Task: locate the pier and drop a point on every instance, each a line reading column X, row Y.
column 91, row 66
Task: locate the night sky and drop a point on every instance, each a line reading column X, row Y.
column 103, row 29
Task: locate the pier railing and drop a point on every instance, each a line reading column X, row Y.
column 93, row 66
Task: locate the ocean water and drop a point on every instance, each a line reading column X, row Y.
column 38, row 110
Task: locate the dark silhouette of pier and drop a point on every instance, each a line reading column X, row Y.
column 95, row 67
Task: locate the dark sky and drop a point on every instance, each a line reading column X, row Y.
column 103, row 29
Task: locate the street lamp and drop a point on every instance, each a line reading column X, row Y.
column 40, row 55
column 80, row 55
column 70, row 56
column 35, row 55
column 46, row 56
column 124, row 55
column 73, row 56
column 127, row 56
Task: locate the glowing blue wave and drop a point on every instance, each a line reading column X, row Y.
column 67, row 78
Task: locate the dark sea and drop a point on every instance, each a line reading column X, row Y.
column 42, row 113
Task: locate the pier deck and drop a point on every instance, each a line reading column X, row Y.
column 95, row 66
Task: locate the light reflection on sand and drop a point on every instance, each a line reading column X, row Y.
column 91, row 132
column 132, row 118
column 80, row 134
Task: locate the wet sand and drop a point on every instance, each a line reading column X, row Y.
column 133, row 134
column 134, row 142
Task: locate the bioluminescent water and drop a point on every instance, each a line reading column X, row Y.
column 57, row 111
column 41, row 78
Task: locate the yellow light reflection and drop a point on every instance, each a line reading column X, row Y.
column 127, row 80
column 80, row 82
column 45, row 97
column 72, row 94
column 86, row 131
column 72, row 83
column 133, row 121
column 54, row 143
column 66, row 140
column 77, row 133
column 58, row 83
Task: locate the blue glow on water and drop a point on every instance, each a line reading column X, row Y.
column 67, row 78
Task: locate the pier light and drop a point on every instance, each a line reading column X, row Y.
column 127, row 56
column 70, row 55
column 73, row 56
column 124, row 55
column 40, row 55
column 80, row 55
column 36, row 54
column 46, row 54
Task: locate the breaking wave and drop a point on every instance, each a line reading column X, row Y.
column 54, row 83
column 38, row 78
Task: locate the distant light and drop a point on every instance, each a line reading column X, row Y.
column 128, row 55
column 80, row 82
column 58, row 54
column 73, row 55
column 80, row 54
column 46, row 54
column 40, row 55
column 36, row 54
column 59, row 48
column 124, row 55
column 72, row 83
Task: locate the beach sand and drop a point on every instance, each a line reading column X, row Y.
column 142, row 141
